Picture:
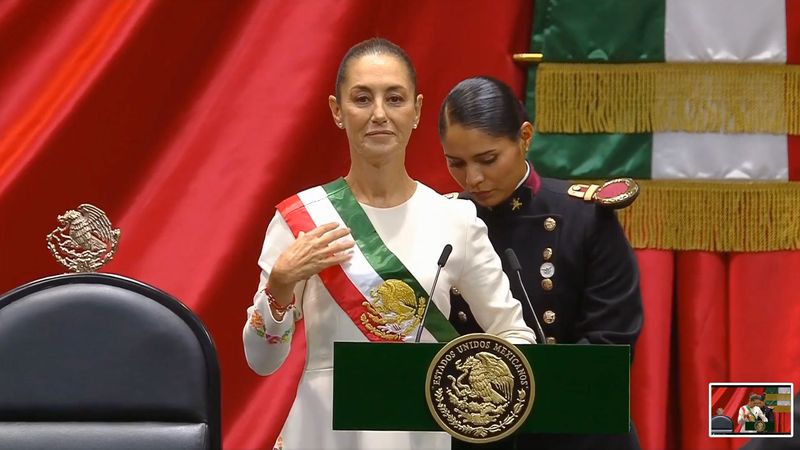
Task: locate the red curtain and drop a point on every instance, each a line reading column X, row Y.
column 188, row 120
column 709, row 318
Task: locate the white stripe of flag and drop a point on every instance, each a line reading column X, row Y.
column 723, row 31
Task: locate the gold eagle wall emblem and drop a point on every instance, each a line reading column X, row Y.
column 84, row 241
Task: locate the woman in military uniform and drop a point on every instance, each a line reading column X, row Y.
column 577, row 265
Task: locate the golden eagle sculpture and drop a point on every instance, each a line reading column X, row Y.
column 84, row 240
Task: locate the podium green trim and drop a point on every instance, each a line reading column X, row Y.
column 579, row 388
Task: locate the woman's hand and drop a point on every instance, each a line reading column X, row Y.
column 311, row 253
column 307, row 256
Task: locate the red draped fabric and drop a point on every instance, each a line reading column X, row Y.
column 793, row 57
column 188, row 120
column 710, row 318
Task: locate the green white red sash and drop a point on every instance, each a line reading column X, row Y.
column 371, row 267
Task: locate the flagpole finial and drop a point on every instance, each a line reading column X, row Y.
column 527, row 58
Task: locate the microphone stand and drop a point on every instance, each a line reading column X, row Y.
column 511, row 257
column 442, row 261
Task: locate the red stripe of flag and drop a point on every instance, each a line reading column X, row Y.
column 793, row 57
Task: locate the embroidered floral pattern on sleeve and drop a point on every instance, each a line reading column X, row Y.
column 285, row 338
column 257, row 323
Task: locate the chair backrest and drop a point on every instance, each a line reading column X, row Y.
column 99, row 361
column 721, row 423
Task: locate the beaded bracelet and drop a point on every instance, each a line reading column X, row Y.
column 273, row 303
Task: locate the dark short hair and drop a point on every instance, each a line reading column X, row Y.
column 374, row 46
column 755, row 397
column 485, row 104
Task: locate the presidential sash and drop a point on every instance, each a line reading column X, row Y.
column 751, row 413
column 374, row 288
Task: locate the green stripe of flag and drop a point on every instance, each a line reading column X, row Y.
column 385, row 263
column 581, row 31
column 592, row 155
column 577, row 30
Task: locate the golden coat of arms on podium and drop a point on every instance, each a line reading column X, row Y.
column 480, row 388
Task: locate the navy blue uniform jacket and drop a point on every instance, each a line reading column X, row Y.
column 592, row 295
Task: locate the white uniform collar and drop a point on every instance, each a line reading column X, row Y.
column 525, row 178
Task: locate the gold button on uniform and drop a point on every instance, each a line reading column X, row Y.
column 551, row 340
column 549, row 317
column 547, row 254
column 455, row 291
column 462, row 316
column 549, row 224
column 547, row 284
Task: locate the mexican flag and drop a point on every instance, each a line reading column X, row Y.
column 667, row 90
column 779, row 398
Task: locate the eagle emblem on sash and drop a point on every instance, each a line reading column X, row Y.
column 394, row 310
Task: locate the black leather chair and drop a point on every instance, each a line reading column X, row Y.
column 721, row 424
column 98, row 361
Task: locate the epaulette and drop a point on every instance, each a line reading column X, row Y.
column 451, row 195
column 617, row 193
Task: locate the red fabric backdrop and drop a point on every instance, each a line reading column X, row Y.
column 188, row 120
column 710, row 318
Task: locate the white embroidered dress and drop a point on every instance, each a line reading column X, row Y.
column 415, row 231
column 755, row 411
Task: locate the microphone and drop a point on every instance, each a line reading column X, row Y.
column 442, row 261
column 511, row 257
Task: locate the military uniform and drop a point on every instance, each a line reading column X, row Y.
column 580, row 273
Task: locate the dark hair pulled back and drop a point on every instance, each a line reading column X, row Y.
column 485, row 104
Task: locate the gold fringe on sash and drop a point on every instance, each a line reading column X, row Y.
column 663, row 97
column 714, row 216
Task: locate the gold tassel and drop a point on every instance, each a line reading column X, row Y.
column 714, row 216
column 664, row 97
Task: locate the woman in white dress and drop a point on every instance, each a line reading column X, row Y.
column 354, row 258
column 750, row 413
